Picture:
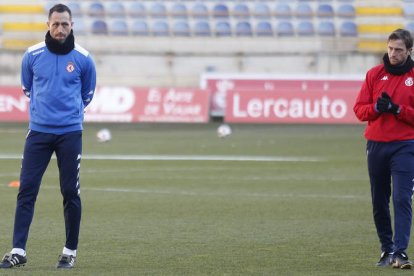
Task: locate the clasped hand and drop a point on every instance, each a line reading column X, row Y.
column 385, row 104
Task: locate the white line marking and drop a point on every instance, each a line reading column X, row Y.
column 214, row 194
column 189, row 158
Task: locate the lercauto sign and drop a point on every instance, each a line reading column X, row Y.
column 290, row 107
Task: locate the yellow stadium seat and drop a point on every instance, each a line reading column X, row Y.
column 372, row 46
column 378, row 28
column 24, row 27
column 17, row 44
column 379, row 11
column 22, row 9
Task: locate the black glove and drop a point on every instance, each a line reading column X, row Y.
column 385, row 104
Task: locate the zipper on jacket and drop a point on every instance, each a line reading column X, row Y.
column 57, row 65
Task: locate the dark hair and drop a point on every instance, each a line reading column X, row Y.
column 60, row 8
column 404, row 35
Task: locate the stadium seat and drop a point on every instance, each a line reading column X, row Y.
column 79, row 27
column 303, row 10
column 202, row 28
column 410, row 27
column 264, row 28
column 137, row 9
column 305, row 28
column 325, row 10
column 118, row 27
column 199, row 10
column 385, row 11
column 223, row 28
column 116, row 9
column 241, row 11
column 140, row 27
column 220, row 11
column 160, row 28
column 181, row 28
column 179, row 10
column 285, row 28
column 158, row 10
column 261, row 11
column 346, row 10
column 348, row 28
column 283, row 10
column 75, row 8
column 99, row 27
column 326, row 28
column 96, row 9
column 244, row 28
column 408, row 10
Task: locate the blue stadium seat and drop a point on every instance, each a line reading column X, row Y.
column 241, row 11
column 75, row 8
column 325, row 10
column 79, row 27
column 262, row 11
column 116, row 9
column 305, row 28
column 199, row 10
column 348, row 28
column 326, row 28
column 244, row 28
column 179, row 10
column 264, row 28
column 283, row 10
column 285, row 28
column 137, row 9
column 408, row 10
column 140, row 27
column 223, row 28
column 118, row 27
column 160, row 28
column 303, row 10
column 96, row 9
column 345, row 10
column 202, row 28
column 410, row 27
column 181, row 28
column 99, row 27
column 158, row 10
column 220, row 11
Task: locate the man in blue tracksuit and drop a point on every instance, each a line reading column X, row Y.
column 59, row 77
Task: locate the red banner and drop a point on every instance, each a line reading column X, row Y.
column 291, row 106
column 220, row 84
column 123, row 104
column 13, row 104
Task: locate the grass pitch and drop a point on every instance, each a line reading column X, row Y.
column 309, row 216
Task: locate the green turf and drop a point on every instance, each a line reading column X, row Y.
column 207, row 217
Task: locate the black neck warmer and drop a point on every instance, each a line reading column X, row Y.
column 400, row 69
column 60, row 48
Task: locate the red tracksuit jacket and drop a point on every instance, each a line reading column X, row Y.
column 387, row 127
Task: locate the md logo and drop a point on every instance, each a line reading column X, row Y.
column 112, row 100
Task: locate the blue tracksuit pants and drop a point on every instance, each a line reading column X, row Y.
column 38, row 151
column 391, row 171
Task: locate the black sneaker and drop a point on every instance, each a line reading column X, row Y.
column 66, row 261
column 13, row 260
column 400, row 260
column 385, row 259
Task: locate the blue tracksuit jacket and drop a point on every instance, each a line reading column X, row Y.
column 59, row 88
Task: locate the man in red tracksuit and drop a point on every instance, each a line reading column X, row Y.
column 386, row 102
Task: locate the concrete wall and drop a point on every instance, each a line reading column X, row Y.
column 180, row 62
